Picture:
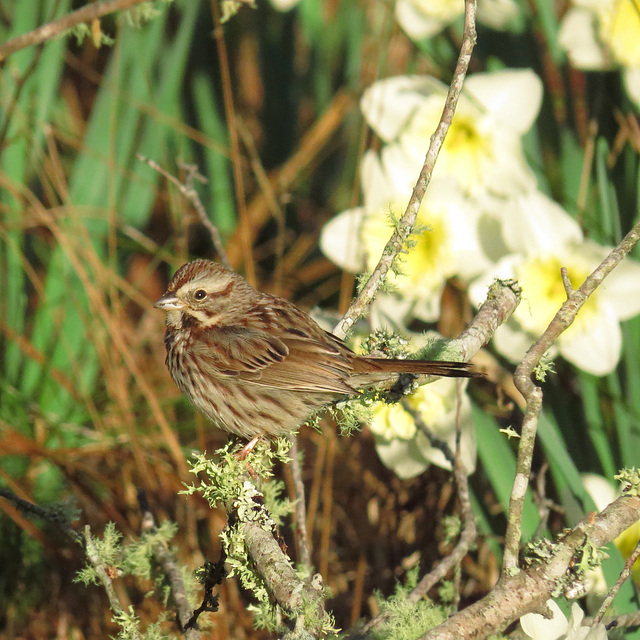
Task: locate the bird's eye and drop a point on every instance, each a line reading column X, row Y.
column 200, row 294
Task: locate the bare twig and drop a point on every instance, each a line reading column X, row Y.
column 48, row 514
column 468, row 534
column 88, row 13
column 622, row 578
column 282, row 582
column 188, row 191
column 302, row 537
column 407, row 222
column 502, row 299
column 533, row 394
column 501, row 302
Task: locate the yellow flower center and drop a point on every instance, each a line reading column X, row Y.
column 620, row 31
column 392, row 421
column 430, row 404
column 543, row 292
column 429, row 260
column 467, row 149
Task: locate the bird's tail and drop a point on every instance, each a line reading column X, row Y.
column 443, row 368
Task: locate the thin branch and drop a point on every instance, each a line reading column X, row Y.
column 170, row 568
column 93, row 556
column 467, row 535
column 622, row 578
column 188, row 191
column 533, row 394
column 282, row 582
column 404, row 227
column 88, row 13
column 302, row 537
column 48, row 514
column 502, row 300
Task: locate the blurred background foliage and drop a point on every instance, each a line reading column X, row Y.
column 89, row 235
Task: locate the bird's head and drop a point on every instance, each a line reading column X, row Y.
column 207, row 294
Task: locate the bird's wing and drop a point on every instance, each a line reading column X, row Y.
column 292, row 361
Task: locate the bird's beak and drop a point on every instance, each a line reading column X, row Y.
column 169, row 302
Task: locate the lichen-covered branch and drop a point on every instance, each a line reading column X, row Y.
column 527, row 591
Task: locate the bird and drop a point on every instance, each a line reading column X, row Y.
column 257, row 365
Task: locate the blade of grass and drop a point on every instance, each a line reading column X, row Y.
column 222, row 204
column 609, row 214
column 563, row 469
column 596, row 429
column 498, row 462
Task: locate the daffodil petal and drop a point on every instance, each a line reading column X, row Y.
column 631, row 79
column 388, row 104
column 533, row 224
column 540, row 628
column 602, row 492
column 578, row 37
column 498, row 14
column 596, row 349
column 340, row 240
column 620, row 288
column 511, row 97
column 401, row 456
column 419, row 24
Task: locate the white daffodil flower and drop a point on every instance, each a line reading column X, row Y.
column 284, row 5
column 405, row 449
column 446, row 244
column 604, row 34
column 482, row 150
column 544, row 238
column 537, row 627
column 425, row 18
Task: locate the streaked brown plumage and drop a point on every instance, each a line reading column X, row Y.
column 254, row 363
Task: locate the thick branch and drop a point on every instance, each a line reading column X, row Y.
column 527, row 591
column 282, row 582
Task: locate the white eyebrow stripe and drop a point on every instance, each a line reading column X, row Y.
column 216, row 288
